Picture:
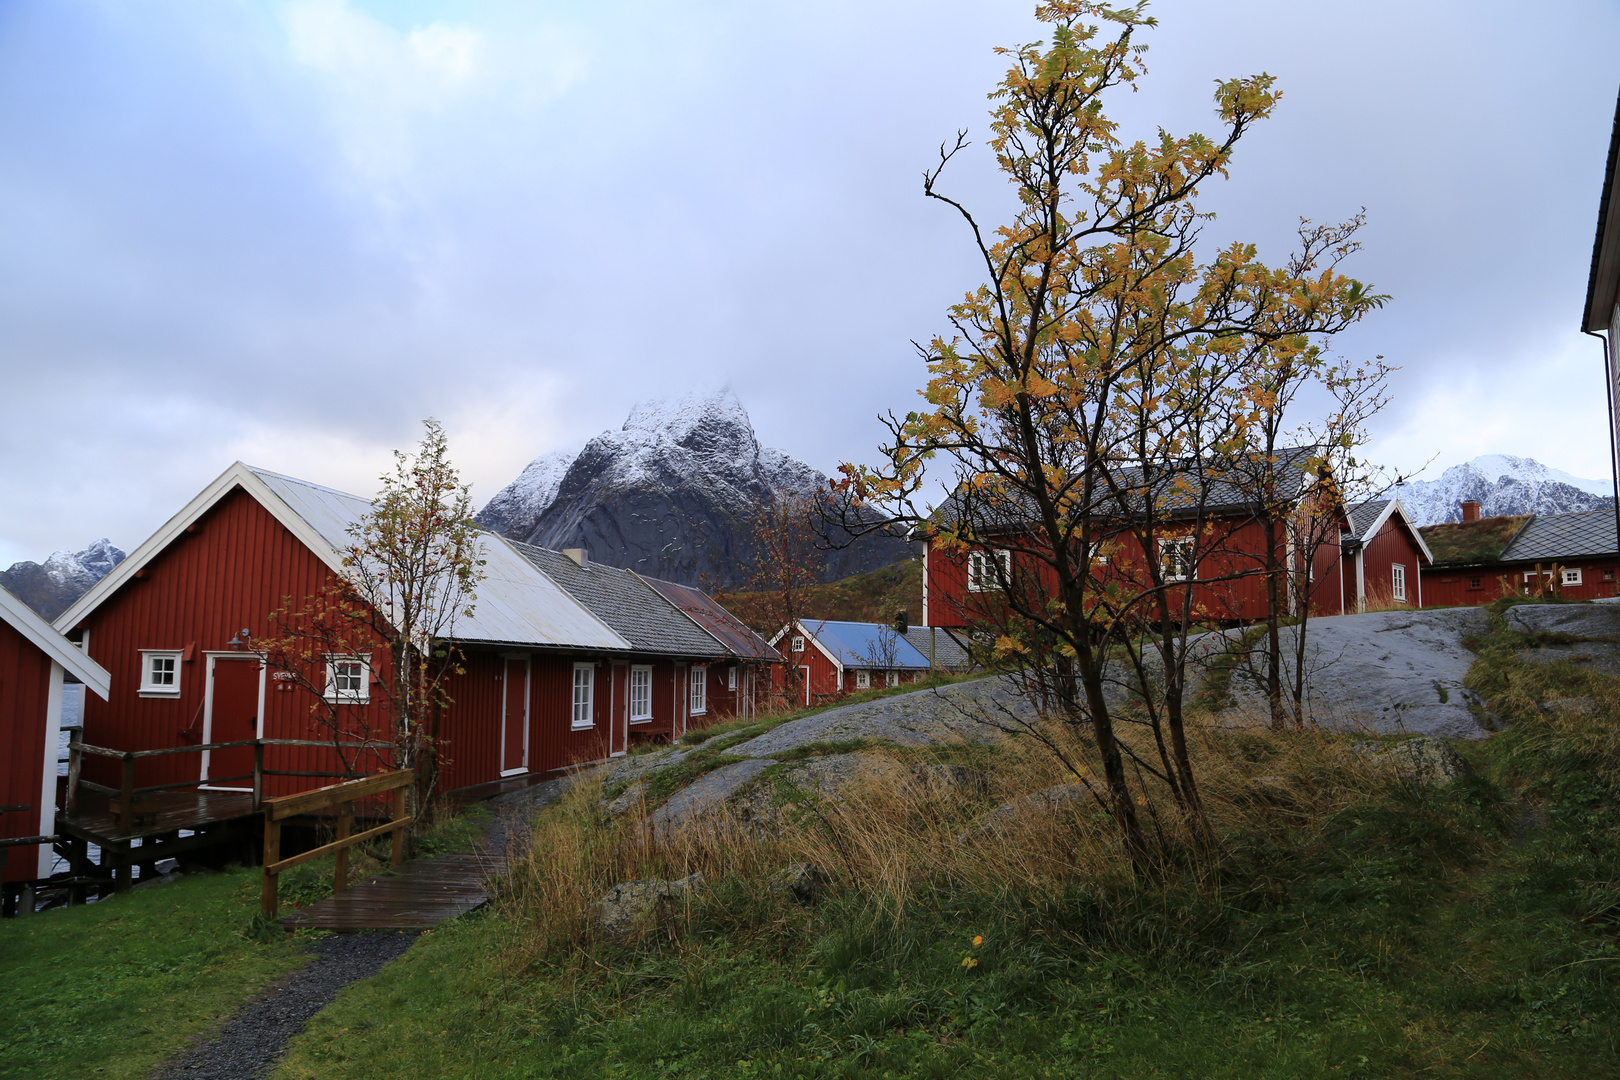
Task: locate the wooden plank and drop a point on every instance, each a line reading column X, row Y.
column 287, row 805
column 419, row 895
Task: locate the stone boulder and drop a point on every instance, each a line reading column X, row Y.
column 802, row 883
column 1426, row 761
column 706, row 794
column 632, row 904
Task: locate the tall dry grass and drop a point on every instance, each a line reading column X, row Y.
column 892, row 841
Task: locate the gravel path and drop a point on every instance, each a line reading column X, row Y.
column 252, row 1043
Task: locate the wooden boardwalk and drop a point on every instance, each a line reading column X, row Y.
column 420, row 894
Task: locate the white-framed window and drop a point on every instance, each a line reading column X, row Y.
column 798, row 643
column 348, row 678
column 699, row 690
column 584, row 695
column 981, row 570
column 731, row 677
column 1397, row 581
column 1571, row 576
column 160, row 672
column 863, row 679
column 1176, row 558
column 640, row 693
column 893, row 678
column 1531, row 575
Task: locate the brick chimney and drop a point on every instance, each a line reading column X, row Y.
column 1470, row 510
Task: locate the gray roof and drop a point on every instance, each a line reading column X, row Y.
column 626, row 603
column 1364, row 515
column 1225, row 488
column 949, row 651
column 1563, row 536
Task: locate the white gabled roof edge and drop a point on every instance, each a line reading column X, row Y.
column 804, row 631
column 238, row 475
column 1389, row 509
column 54, row 645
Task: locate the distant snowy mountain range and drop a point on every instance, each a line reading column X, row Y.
column 50, row 588
column 668, row 494
column 1502, row 484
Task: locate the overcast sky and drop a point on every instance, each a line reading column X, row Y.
column 286, row 232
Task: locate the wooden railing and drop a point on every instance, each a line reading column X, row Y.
column 343, row 797
column 127, row 790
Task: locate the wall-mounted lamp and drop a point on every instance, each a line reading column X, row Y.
column 240, row 641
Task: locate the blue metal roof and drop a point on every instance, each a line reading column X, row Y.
column 865, row 644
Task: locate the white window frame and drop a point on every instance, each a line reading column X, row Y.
column 731, row 677
column 1179, row 565
column 1531, row 575
column 644, row 673
column 1571, row 576
column 587, row 707
column 1397, row 582
column 153, row 688
column 980, row 576
column 337, row 695
column 698, row 691
column 891, row 678
column 863, row 679
column 798, row 643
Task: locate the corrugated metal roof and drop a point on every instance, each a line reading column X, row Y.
column 1564, row 536
column 619, row 598
column 516, row 604
column 948, row 651
column 729, row 630
column 865, row 645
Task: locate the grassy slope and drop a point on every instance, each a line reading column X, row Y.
column 114, row 988
column 1457, row 932
column 875, row 596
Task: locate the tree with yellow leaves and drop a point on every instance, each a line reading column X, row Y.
column 1092, row 386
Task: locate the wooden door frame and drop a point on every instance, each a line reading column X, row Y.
column 617, row 730
column 805, row 678
column 208, row 708
column 507, row 660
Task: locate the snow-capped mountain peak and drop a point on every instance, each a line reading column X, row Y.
column 50, row 587
column 1502, row 484
column 527, row 497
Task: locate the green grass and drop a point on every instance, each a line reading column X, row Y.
column 114, row 988
column 1470, row 931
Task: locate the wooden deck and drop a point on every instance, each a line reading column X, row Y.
column 190, row 810
column 421, row 894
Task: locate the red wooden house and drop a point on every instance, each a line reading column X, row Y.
column 1478, row 560
column 738, row 685
column 548, row 682
column 1366, row 555
column 35, row 662
column 831, row 659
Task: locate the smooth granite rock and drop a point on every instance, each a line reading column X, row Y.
column 1387, row 672
column 1581, row 620
column 977, row 711
column 1427, row 761
column 707, row 793
column 629, row 905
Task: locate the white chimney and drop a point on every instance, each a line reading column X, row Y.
column 577, row 554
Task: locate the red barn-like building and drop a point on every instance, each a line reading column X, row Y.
column 35, row 662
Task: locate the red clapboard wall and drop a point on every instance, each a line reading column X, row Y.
column 25, row 687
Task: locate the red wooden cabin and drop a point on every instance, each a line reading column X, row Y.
column 1370, row 555
column 35, row 662
column 832, row 659
column 548, row 683
column 1478, row 560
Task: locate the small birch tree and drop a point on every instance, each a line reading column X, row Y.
column 411, row 569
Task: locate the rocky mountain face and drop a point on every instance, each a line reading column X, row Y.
column 50, row 588
column 1503, row 484
column 669, row 494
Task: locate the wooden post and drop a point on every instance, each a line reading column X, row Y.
column 25, row 900
column 75, row 761
column 399, row 834
column 79, row 867
column 258, row 773
column 272, row 854
column 340, row 876
column 122, row 878
column 126, row 808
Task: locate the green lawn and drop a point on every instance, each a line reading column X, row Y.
column 114, row 988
